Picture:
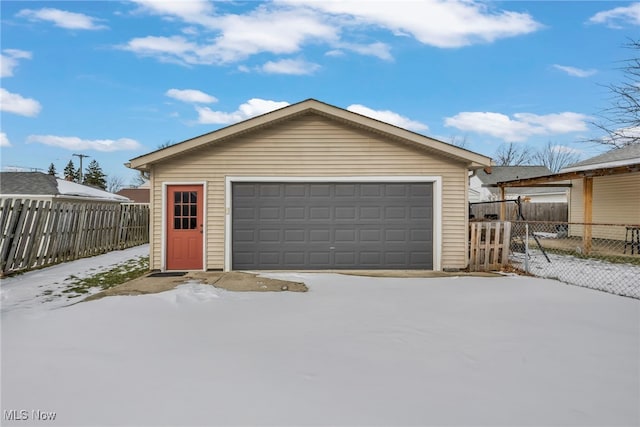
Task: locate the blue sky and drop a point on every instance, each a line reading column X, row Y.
column 115, row 79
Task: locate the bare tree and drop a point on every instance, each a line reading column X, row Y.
column 512, row 154
column 621, row 120
column 555, row 157
column 167, row 143
column 137, row 181
column 459, row 141
column 115, row 183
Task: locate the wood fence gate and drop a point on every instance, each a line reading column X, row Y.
column 37, row 233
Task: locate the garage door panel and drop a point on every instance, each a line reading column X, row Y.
column 345, row 258
column 421, row 212
column 269, row 236
column 344, row 236
column 295, row 191
column 294, row 236
column 332, row 225
column 319, row 236
column 269, row 190
column 319, row 213
column 318, row 259
column 319, row 190
column 345, row 213
column 395, row 190
column 294, row 259
column 370, row 235
column 345, row 190
column 242, row 213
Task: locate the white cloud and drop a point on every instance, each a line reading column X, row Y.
column 290, row 66
column 62, row 18
column 169, row 49
column 520, row 127
column 18, row 54
column 240, row 36
column 191, row 95
column 9, row 60
column 274, row 31
column 196, row 11
column 251, row 108
column 75, row 143
column 285, row 27
column 4, row 140
column 15, row 103
column 623, row 135
column 440, row 23
column 335, row 53
column 617, row 16
column 565, row 149
column 388, row 117
column 378, row 49
column 575, row 72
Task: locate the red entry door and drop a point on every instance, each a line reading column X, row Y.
column 184, row 227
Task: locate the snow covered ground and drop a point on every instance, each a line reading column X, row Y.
column 45, row 288
column 351, row 351
column 617, row 278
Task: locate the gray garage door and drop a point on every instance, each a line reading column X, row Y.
column 314, row 226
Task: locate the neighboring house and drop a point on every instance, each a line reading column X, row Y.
column 605, row 190
column 308, row 187
column 483, row 185
column 41, row 186
column 139, row 194
column 616, row 197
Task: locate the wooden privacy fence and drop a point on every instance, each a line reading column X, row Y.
column 489, row 245
column 37, row 233
column 532, row 211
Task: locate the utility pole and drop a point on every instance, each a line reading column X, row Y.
column 81, row 156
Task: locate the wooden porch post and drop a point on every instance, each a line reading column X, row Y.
column 503, row 207
column 587, row 196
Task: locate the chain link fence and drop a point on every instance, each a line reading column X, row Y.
column 605, row 257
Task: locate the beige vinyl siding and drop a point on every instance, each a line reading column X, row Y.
column 615, row 201
column 310, row 146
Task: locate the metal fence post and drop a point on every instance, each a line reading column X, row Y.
column 526, row 247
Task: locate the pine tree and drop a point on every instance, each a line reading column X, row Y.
column 94, row 176
column 52, row 170
column 70, row 172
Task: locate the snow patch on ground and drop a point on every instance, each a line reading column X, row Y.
column 616, row 278
column 190, row 292
column 38, row 288
column 351, row 351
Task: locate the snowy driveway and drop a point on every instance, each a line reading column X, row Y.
column 352, row 350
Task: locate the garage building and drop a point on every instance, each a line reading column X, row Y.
column 309, row 187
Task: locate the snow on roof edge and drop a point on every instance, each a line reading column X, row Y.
column 68, row 188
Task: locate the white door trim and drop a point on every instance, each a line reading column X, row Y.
column 437, row 203
column 163, row 237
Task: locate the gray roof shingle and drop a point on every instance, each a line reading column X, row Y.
column 508, row 173
column 630, row 152
column 28, row 183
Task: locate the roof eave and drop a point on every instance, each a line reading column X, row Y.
column 584, row 173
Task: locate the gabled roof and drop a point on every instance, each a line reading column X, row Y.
column 311, row 106
column 623, row 156
column 24, row 184
column 508, row 173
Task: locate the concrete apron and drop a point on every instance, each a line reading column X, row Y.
column 253, row 282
